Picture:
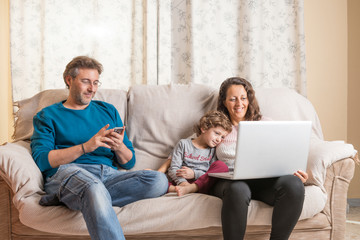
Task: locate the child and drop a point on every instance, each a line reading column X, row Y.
column 193, row 159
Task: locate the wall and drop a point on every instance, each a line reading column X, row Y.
column 354, row 88
column 6, row 120
column 332, row 50
column 326, row 63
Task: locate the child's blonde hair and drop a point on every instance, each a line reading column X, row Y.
column 213, row 119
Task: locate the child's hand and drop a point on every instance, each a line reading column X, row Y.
column 302, row 175
column 186, row 173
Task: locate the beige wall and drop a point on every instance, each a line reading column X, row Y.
column 326, row 64
column 332, row 50
column 354, row 87
column 331, row 72
column 6, row 122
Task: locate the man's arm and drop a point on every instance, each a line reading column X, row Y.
column 63, row 156
column 122, row 152
column 67, row 155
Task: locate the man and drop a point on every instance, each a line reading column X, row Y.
column 76, row 148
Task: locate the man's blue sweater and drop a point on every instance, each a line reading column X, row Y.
column 57, row 127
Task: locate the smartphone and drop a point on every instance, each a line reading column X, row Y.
column 118, row 129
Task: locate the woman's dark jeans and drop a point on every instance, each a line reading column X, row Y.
column 285, row 194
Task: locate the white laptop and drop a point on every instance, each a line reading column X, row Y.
column 269, row 149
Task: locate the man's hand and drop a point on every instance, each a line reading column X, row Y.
column 100, row 139
column 117, row 139
column 114, row 141
column 186, row 173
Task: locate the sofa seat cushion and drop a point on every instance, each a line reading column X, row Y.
column 167, row 223
column 156, row 215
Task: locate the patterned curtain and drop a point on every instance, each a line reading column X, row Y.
column 157, row 42
column 260, row 40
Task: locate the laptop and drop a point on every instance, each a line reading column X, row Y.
column 267, row 149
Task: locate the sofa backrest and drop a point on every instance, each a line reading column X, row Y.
column 287, row 104
column 157, row 117
column 27, row 108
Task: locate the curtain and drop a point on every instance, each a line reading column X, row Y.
column 260, row 40
column 122, row 35
column 158, row 42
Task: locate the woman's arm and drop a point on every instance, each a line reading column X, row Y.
column 164, row 167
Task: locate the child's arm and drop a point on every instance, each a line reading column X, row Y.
column 164, row 167
column 176, row 163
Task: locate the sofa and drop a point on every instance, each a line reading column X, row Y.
column 156, row 117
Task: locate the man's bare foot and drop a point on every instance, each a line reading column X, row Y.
column 190, row 188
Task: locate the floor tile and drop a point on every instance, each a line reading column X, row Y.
column 353, row 224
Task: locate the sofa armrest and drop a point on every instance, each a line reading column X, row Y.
column 19, row 171
column 322, row 155
column 338, row 177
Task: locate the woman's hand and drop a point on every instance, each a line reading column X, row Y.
column 186, row 173
column 302, row 175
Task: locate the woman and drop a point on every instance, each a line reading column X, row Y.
column 286, row 193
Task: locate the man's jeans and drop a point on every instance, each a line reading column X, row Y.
column 94, row 189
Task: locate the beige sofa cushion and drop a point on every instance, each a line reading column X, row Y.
column 27, row 109
column 159, row 116
column 286, row 104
